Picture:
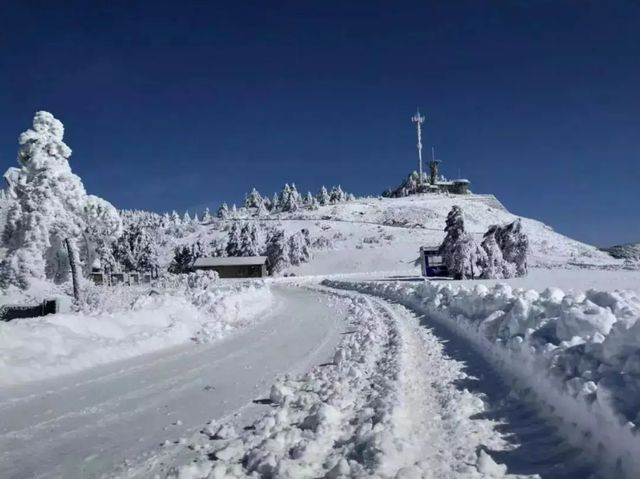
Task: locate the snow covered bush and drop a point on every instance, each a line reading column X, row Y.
column 50, row 211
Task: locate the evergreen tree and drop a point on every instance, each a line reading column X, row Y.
column 223, row 211
column 186, row 218
column 49, row 211
column 253, row 200
column 278, row 252
column 323, row 197
column 337, row 195
column 262, row 209
column 298, row 249
column 175, row 219
column 266, row 203
column 249, row 241
column 310, row 202
column 196, row 219
column 206, row 216
column 458, row 250
column 275, row 203
column 182, row 260
column 514, row 244
column 493, row 266
column 289, row 199
column 234, row 212
column 234, row 240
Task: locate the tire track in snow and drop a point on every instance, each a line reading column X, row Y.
column 539, row 443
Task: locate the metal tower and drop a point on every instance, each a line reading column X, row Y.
column 417, row 119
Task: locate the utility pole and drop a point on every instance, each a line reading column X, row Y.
column 417, row 119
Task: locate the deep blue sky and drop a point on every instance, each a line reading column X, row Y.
column 183, row 104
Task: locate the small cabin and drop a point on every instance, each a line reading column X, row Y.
column 234, row 267
column 431, row 263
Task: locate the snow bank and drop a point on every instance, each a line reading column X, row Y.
column 144, row 321
column 334, row 421
column 578, row 351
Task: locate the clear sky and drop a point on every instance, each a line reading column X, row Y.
column 175, row 105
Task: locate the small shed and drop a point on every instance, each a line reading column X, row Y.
column 234, row 267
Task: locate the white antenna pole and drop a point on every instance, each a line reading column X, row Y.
column 417, row 119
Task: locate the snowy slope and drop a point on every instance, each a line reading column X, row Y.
column 381, row 234
column 630, row 251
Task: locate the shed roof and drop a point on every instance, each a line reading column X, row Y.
column 230, row 261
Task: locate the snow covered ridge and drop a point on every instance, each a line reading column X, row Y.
column 579, row 352
column 37, row 348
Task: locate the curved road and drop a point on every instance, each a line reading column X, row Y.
column 114, row 418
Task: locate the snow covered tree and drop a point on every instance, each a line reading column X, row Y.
column 186, row 218
column 310, row 202
column 234, row 212
column 103, row 227
column 47, row 215
column 253, row 200
column 223, row 212
column 206, row 216
column 275, row 202
column 266, row 203
column 249, row 240
column 196, row 219
column 350, row 197
column 336, row 195
column 182, row 260
column 234, row 240
column 493, row 264
column 289, row 199
column 458, row 250
column 175, row 218
column 298, row 249
column 323, row 197
column 136, row 250
column 278, row 252
column 514, row 244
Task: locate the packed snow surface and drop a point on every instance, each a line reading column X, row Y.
column 125, row 322
column 139, row 416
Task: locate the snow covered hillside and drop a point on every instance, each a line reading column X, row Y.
column 384, row 234
column 630, row 251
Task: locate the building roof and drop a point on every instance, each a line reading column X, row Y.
column 461, row 181
column 230, row 261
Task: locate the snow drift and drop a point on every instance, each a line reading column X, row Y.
column 579, row 351
column 125, row 322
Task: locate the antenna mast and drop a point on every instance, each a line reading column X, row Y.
column 417, row 119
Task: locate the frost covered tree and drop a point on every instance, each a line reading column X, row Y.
column 234, row 240
column 323, row 197
column 182, row 260
column 175, row 218
column 136, row 250
column 275, row 202
column 249, row 240
column 253, row 200
column 514, row 244
column 289, row 199
column 206, row 216
column 310, row 202
column 458, row 250
column 336, row 195
column 47, row 215
column 278, row 251
column 298, row 249
column 103, row 227
column 493, row 264
column 266, row 203
column 186, row 218
column 234, row 211
column 196, row 219
column 262, row 209
column 223, row 212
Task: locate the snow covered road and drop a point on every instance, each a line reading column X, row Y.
column 113, row 418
